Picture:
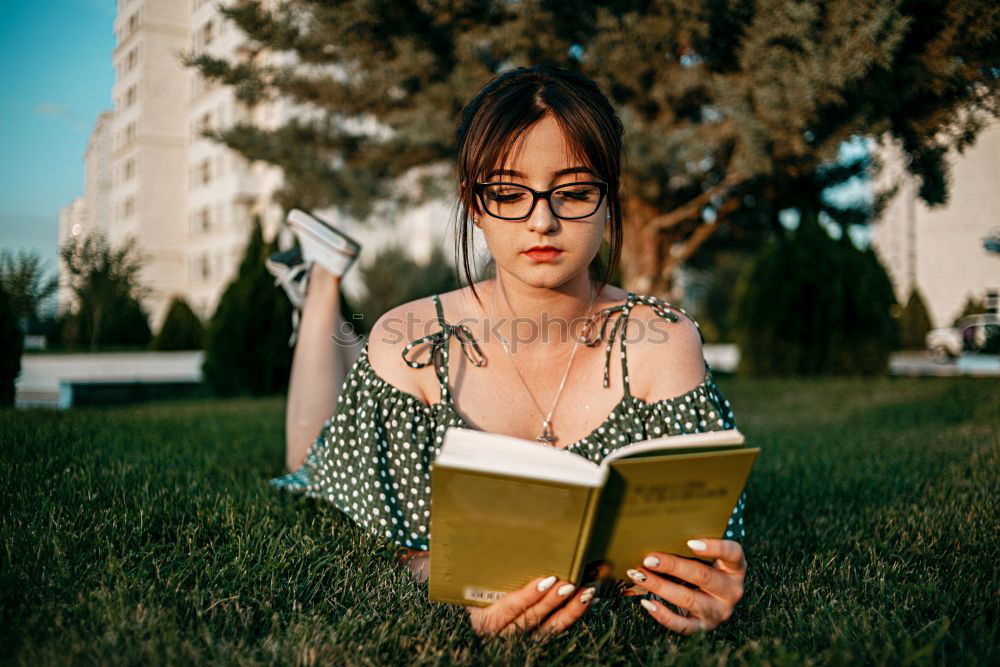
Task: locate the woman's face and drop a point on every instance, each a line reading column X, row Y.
column 541, row 160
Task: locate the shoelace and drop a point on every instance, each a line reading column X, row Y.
column 287, row 279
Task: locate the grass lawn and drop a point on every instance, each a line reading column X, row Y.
column 148, row 534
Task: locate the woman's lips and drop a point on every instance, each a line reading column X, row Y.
column 546, row 255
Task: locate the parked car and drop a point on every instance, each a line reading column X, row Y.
column 974, row 333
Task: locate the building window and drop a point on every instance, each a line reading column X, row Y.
column 130, row 96
column 204, row 220
column 205, row 172
column 128, row 170
column 132, row 59
column 207, row 33
column 204, row 268
column 205, row 122
column 128, row 207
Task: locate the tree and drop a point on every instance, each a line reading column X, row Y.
column 915, row 322
column 182, row 329
column 11, row 347
column 105, row 281
column 27, row 286
column 810, row 304
column 246, row 343
column 393, row 277
column 733, row 109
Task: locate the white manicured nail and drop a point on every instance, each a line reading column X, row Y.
column 587, row 595
column 546, row 584
column 565, row 589
column 648, row 604
column 697, row 545
column 651, row 561
column 638, row 575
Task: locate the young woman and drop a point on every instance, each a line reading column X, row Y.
column 539, row 154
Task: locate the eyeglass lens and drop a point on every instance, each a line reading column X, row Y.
column 513, row 201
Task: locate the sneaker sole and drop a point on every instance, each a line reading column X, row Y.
column 303, row 222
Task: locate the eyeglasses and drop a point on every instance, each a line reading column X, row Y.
column 513, row 201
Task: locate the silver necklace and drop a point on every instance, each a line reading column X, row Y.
column 546, row 437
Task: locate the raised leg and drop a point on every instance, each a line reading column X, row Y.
column 319, row 365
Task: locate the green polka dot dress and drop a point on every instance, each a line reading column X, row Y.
column 372, row 457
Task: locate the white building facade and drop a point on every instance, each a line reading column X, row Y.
column 941, row 249
column 190, row 201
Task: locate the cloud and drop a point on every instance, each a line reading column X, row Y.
column 54, row 110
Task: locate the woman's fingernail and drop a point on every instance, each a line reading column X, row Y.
column 651, row 561
column 648, row 604
column 638, row 575
column 588, row 595
column 697, row 545
column 546, row 584
column 565, row 589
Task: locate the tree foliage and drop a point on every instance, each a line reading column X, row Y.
column 182, row 329
column 28, row 287
column 11, row 347
column 105, row 281
column 812, row 305
column 733, row 109
column 393, row 277
column 246, row 342
column 915, row 322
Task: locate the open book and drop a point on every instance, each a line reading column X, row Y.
column 506, row 510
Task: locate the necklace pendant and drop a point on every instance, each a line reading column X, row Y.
column 546, row 438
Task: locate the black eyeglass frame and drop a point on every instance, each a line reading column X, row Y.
column 536, row 195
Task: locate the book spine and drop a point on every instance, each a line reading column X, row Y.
column 583, row 543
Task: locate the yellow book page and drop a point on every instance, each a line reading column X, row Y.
column 659, row 503
column 491, row 534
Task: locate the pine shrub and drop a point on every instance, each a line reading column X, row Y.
column 810, row 305
column 182, row 328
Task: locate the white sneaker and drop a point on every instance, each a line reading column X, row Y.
column 323, row 243
column 291, row 272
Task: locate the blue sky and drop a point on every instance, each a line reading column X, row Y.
column 56, row 76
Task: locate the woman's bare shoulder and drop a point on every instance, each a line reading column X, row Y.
column 389, row 337
column 665, row 357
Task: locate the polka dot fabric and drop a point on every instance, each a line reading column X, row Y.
column 372, row 458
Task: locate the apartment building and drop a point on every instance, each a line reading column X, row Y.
column 941, row 249
column 190, row 201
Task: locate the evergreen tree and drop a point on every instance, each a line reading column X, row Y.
column 182, row 328
column 915, row 322
column 733, row 109
column 812, row 305
column 393, row 278
column 246, row 343
column 11, row 347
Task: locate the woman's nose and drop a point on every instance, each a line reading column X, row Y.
column 542, row 219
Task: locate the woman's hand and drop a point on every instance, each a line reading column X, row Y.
column 719, row 586
column 547, row 605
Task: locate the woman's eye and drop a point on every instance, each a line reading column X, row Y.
column 508, row 195
column 582, row 194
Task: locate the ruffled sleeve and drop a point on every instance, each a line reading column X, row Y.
column 704, row 408
column 371, row 458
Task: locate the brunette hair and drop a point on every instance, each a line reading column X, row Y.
column 504, row 109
